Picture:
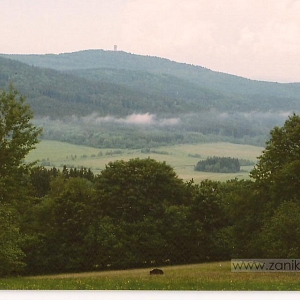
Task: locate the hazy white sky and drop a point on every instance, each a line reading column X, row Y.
column 257, row 39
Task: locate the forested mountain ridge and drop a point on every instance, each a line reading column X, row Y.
column 120, row 83
column 57, row 94
column 94, row 59
column 239, row 95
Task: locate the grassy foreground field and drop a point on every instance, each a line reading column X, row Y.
column 182, row 158
column 198, row 277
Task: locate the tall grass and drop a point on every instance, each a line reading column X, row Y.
column 199, row 277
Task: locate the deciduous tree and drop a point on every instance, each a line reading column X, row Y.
column 17, row 137
column 278, row 168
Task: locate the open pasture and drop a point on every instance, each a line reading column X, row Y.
column 196, row 277
column 182, row 158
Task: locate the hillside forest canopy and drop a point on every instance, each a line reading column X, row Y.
column 71, row 220
column 121, row 100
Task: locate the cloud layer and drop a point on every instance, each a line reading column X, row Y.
column 133, row 119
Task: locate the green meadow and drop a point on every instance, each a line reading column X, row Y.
column 182, row 158
column 196, row 277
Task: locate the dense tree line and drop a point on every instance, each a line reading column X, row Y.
column 218, row 165
column 135, row 214
column 138, row 213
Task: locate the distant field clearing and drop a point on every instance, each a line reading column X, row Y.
column 182, row 158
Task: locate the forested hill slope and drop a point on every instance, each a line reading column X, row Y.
column 51, row 93
column 93, row 59
column 119, row 83
column 56, row 94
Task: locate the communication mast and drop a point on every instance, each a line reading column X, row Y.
column 115, row 48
